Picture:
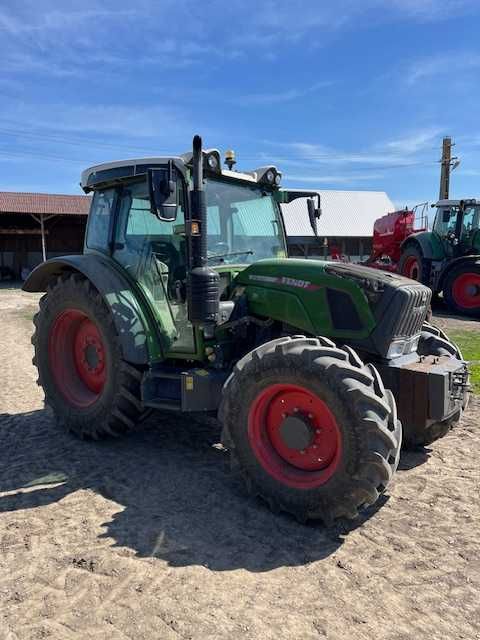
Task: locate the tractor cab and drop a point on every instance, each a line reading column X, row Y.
column 182, row 233
column 457, row 223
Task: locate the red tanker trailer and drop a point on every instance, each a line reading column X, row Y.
column 389, row 232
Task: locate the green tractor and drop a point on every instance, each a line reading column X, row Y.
column 184, row 301
column 447, row 259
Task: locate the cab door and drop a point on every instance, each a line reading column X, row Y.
column 153, row 251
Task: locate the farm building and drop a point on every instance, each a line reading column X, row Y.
column 344, row 229
column 36, row 226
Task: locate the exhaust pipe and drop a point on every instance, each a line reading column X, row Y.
column 203, row 283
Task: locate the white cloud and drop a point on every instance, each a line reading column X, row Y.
column 433, row 9
column 313, row 163
column 53, row 20
column 344, row 179
column 172, row 34
column 450, row 64
column 288, row 95
column 418, row 141
column 403, row 152
column 109, row 120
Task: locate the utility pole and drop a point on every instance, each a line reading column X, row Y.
column 445, row 168
column 447, row 164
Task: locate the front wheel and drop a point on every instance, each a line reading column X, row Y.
column 311, row 429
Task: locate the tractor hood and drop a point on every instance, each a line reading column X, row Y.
column 310, row 275
column 367, row 306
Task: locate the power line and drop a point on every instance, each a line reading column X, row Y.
column 14, row 132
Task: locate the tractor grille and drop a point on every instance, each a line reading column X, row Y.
column 407, row 311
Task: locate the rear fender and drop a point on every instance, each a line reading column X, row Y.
column 135, row 331
column 427, row 243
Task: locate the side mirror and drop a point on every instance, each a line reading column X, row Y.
column 446, row 216
column 162, row 189
column 314, row 213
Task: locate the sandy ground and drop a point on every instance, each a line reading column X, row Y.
column 150, row 537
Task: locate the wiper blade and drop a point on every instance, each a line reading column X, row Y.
column 231, row 253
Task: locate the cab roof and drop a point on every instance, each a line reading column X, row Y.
column 119, row 169
column 108, row 172
column 455, row 203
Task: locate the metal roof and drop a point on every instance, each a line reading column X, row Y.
column 49, row 204
column 344, row 214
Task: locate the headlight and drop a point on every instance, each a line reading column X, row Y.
column 270, row 176
column 402, row 347
column 396, row 349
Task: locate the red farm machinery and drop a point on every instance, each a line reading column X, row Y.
column 445, row 258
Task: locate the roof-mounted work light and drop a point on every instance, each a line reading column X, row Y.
column 212, row 159
column 269, row 175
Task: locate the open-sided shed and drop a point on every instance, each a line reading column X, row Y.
column 37, row 226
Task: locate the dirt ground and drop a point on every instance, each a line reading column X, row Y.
column 150, row 537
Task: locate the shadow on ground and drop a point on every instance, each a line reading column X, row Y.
column 177, row 499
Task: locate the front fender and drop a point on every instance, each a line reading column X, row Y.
column 137, row 336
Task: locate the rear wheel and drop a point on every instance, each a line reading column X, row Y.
column 311, row 429
column 91, row 389
column 411, row 264
column 462, row 290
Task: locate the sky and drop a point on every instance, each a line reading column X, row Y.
column 342, row 94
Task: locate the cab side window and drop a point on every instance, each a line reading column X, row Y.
column 99, row 218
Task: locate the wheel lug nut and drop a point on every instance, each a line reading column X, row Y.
column 284, row 415
column 310, row 416
column 317, row 431
column 315, row 446
column 302, row 452
column 296, row 410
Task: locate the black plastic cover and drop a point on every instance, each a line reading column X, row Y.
column 203, row 294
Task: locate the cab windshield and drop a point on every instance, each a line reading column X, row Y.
column 243, row 224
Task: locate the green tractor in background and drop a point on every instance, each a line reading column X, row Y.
column 184, row 301
column 447, row 259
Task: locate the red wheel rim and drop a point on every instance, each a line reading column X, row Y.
column 77, row 357
column 275, row 415
column 466, row 290
column 411, row 268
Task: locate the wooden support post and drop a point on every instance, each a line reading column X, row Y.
column 44, row 244
column 41, row 220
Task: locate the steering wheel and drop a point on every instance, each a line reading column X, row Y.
column 220, row 247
